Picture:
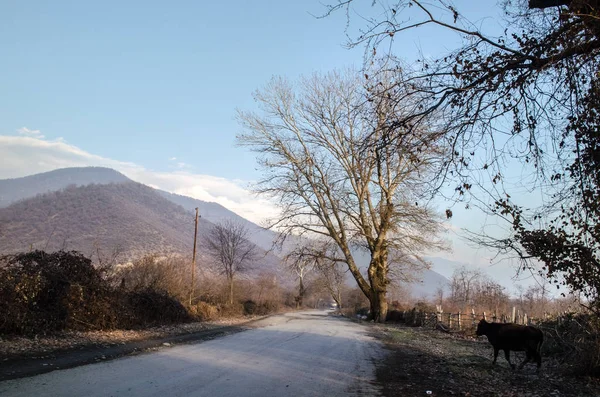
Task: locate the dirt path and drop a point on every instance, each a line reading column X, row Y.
column 424, row 362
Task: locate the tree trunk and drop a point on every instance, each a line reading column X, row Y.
column 338, row 299
column 379, row 306
column 300, row 296
column 231, row 290
column 378, row 281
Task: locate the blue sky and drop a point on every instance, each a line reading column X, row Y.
column 151, row 88
column 146, row 81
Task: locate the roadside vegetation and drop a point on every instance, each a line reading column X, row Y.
column 42, row 293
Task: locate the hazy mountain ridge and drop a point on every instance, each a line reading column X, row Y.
column 15, row 189
column 215, row 213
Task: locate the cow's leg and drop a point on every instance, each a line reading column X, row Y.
column 495, row 355
column 507, row 355
column 538, row 360
column 527, row 358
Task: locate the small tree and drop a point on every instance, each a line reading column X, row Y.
column 230, row 250
column 300, row 262
column 463, row 285
column 332, row 278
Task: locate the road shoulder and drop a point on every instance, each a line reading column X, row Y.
column 35, row 362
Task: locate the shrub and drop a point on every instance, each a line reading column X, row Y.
column 153, row 272
column 267, row 307
column 574, row 340
column 395, row 316
column 205, row 311
column 43, row 292
column 46, row 292
column 424, row 307
column 250, row 307
column 148, row 307
column 231, row 310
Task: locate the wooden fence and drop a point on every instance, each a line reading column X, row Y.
column 459, row 321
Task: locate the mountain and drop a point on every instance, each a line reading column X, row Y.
column 216, row 213
column 127, row 216
column 12, row 190
column 427, row 285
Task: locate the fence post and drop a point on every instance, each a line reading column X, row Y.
column 512, row 318
column 525, row 319
column 449, row 320
column 438, row 313
column 459, row 323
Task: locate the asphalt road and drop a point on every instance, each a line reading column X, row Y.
column 297, row 354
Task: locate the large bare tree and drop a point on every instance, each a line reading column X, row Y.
column 310, row 143
column 231, row 252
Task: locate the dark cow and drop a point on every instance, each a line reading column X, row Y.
column 513, row 337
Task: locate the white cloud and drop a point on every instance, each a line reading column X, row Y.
column 27, row 155
column 27, row 132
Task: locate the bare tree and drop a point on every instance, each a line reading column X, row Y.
column 463, row 284
column 300, row 261
column 231, row 252
column 332, row 278
column 310, row 144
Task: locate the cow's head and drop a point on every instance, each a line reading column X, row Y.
column 482, row 328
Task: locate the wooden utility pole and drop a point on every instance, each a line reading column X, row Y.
column 194, row 257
